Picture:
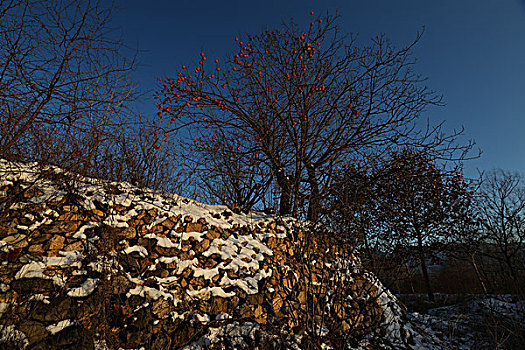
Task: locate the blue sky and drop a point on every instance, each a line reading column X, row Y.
column 473, row 52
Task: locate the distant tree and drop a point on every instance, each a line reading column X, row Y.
column 298, row 104
column 465, row 239
column 418, row 203
column 502, row 216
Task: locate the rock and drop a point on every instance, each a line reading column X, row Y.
column 211, row 234
column 260, row 315
column 124, row 233
column 33, row 285
column 186, row 255
column 18, row 240
column 62, row 227
column 202, row 246
column 185, row 246
column 121, row 285
column 76, row 246
column 70, row 217
column 168, row 223
column 8, row 297
column 245, row 311
column 144, row 318
column 145, row 242
column 219, row 305
column 162, row 307
column 202, row 221
column 8, row 228
column 27, row 258
column 148, row 219
column 255, row 299
column 194, row 227
column 277, row 303
column 56, row 242
column 98, row 213
column 36, row 249
column 199, row 282
column 41, row 238
column 34, row 331
column 210, row 263
column 68, row 336
column 59, row 309
column 157, row 229
column 158, row 311
column 129, row 263
column 70, row 208
column 232, row 274
column 301, row 297
column 167, row 252
column 121, row 208
column 33, row 192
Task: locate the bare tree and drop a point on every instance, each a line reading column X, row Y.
column 303, row 102
column 400, row 210
column 502, row 215
column 64, row 80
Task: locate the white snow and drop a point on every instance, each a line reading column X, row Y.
column 10, row 335
column 84, row 290
column 165, row 242
column 57, row 327
column 80, row 233
column 136, row 248
column 207, row 292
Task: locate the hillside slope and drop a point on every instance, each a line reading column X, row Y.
column 90, row 264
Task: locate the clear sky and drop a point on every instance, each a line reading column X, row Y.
column 473, row 52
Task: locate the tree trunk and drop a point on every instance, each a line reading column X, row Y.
column 285, row 196
column 314, row 203
column 424, row 266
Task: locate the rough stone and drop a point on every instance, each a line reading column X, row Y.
column 121, row 285
column 202, row 246
column 36, row 249
column 211, row 234
column 56, row 242
column 125, row 233
column 194, row 227
column 98, row 213
column 32, row 285
column 169, row 223
column 16, row 241
column 34, row 331
column 63, row 227
column 8, row 228
column 40, row 238
column 162, row 308
column 75, row 246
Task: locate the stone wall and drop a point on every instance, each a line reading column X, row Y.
column 87, row 263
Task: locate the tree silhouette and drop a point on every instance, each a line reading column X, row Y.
column 298, row 103
column 420, row 203
column 64, row 80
